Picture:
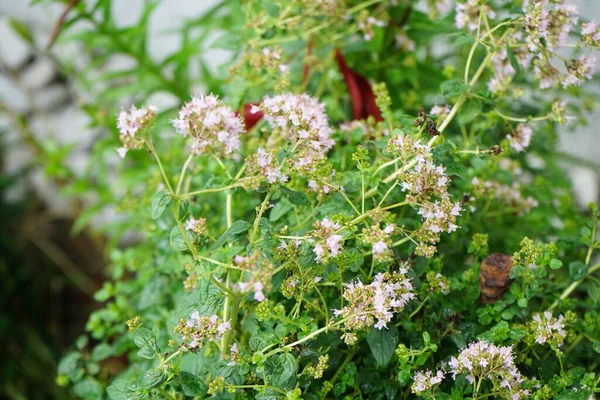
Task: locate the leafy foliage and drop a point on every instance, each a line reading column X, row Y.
column 346, row 278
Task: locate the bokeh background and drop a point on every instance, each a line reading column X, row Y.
column 50, row 267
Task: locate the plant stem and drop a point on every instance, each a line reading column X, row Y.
column 517, row 119
column 572, row 287
column 226, row 337
column 257, row 387
column 210, row 190
column 306, row 338
column 183, row 171
column 418, row 308
column 152, row 150
column 259, row 215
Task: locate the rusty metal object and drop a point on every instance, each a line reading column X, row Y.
column 494, row 279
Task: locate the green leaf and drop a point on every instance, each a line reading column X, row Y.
column 230, row 41
column 101, row 352
column 577, row 270
column 88, row 389
column 154, row 292
column 271, row 8
column 22, row 30
column 463, row 39
column 522, row 302
column 283, row 375
column 206, row 299
column 471, row 109
column 189, row 384
column 123, row 390
column 596, row 347
column 294, row 197
column 454, row 87
column 145, row 339
column 555, row 264
column 152, row 379
column 513, row 61
column 279, row 210
column 233, row 234
column 572, row 395
column 176, row 239
column 160, row 201
column 71, row 366
column 383, row 343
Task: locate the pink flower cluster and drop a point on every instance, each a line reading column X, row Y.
column 483, row 360
column 406, row 147
column 198, row 329
column 264, row 165
column 257, row 275
column 380, row 240
column 467, row 14
column 426, row 380
column 198, row 226
column 510, row 195
column 426, row 185
column 547, row 328
column 303, row 121
column 212, row 125
column 367, row 24
column 551, row 25
column 440, row 112
column 424, row 181
column 329, row 242
column 579, row 70
column 520, row 138
column 130, row 124
column 388, row 294
column 504, row 71
column 590, row 34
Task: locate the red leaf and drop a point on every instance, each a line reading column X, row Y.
column 250, row 120
column 361, row 93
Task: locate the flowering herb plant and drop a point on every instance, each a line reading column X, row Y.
column 313, row 224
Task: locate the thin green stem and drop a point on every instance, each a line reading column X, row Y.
column 402, row 203
column 220, row 162
column 203, row 191
column 152, row 150
column 260, row 213
column 567, row 292
column 183, row 172
column 362, row 6
column 257, row 387
column 519, row 119
column 419, row 308
column 387, row 194
column 307, row 337
column 474, row 46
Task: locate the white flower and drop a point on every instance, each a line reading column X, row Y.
column 334, row 244
column 122, row 151
column 212, row 125
column 379, row 247
column 520, row 138
column 425, row 380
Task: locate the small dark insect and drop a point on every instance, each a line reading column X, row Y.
column 466, row 198
column 494, row 278
column 496, row 150
column 431, row 128
column 423, row 119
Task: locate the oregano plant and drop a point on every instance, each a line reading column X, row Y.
column 365, row 202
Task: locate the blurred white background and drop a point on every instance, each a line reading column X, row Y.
column 68, row 125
